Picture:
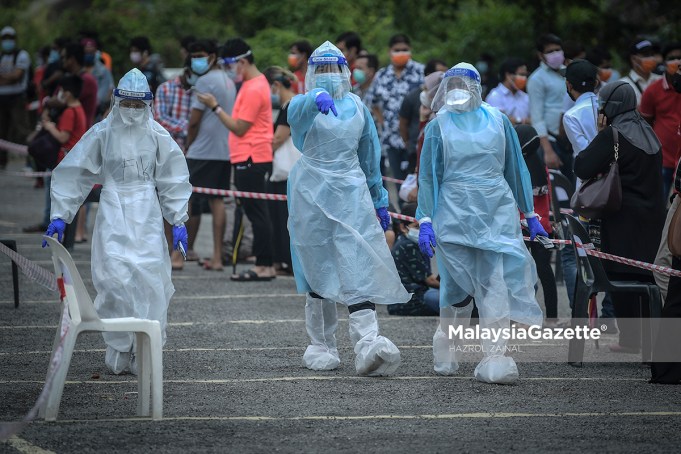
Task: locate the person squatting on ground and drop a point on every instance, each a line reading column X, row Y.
column 145, row 178
column 335, row 193
column 472, row 180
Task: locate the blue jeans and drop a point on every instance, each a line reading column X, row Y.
column 432, row 299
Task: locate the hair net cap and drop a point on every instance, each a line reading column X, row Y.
column 460, row 90
column 134, row 85
column 328, row 69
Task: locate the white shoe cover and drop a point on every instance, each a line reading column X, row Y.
column 321, row 321
column 117, row 362
column 445, row 354
column 497, row 369
column 375, row 355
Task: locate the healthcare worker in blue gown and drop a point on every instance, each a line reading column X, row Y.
column 338, row 213
column 145, row 179
column 472, row 181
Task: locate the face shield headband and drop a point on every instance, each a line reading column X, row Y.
column 463, row 72
column 327, row 60
column 125, row 94
column 232, row 60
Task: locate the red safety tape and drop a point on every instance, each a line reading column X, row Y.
column 394, row 180
column 13, row 147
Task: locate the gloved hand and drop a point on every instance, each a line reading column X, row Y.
column 383, row 217
column 427, row 239
column 535, row 228
column 180, row 236
column 324, row 102
column 56, row 226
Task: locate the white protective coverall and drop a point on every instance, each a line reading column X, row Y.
column 338, row 248
column 145, row 179
column 472, row 181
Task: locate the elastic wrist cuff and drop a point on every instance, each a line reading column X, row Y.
column 426, row 219
column 531, row 214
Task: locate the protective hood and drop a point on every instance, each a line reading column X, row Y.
column 132, row 86
column 460, row 90
column 328, row 69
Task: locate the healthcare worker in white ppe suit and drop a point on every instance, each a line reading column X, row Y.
column 472, row 181
column 145, row 179
column 338, row 213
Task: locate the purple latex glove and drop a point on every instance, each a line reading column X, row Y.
column 325, row 103
column 427, row 239
column 383, row 217
column 180, row 236
column 535, row 228
column 56, row 226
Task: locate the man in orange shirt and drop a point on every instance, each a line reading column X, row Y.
column 250, row 147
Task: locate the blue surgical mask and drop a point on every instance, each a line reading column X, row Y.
column 276, row 99
column 331, row 82
column 53, row 57
column 8, row 45
column 359, row 76
column 89, row 59
column 200, row 65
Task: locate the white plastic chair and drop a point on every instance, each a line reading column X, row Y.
column 83, row 317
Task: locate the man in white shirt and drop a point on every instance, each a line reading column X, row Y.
column 509, row 96
column 579, row 122
column 643, row 62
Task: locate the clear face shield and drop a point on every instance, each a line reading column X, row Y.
column 132, row 108
column 460, row 91
column 229, row 66
column 329, row 72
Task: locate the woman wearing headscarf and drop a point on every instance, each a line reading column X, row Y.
column 634, row 231
column 472, row 181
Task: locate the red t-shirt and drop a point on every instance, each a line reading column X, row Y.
column 72, row 120
column 254, row 105
column 88, row 97
column 663, row 104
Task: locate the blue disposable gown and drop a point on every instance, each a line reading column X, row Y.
column 145, row 179
column 337, row 245
column 472, row 180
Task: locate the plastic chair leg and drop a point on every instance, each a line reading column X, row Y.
column 54, row 396
column 156, row 356
column 580, row 314
column 143, row 374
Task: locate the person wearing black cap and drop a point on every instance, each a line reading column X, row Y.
column 14, row 67
column 643, row 62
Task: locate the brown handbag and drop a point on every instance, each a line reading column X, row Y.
column 601, row 195
column 674, row 234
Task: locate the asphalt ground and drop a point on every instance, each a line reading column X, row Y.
column 234, row 382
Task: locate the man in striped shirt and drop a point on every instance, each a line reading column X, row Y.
column 172, row 106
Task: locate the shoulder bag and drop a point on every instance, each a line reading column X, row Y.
column 282, row 162
column 601, row 195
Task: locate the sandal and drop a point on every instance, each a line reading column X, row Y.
column 250, row 275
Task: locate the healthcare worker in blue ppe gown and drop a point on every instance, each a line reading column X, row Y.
column 472, row 181
column 338, row 213
column 145, row 179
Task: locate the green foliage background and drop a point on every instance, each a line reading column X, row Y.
column 453, row 30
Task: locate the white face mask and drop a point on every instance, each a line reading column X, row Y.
column 425, row 101
column 132, row 116
column 413, row 234
column 135, row 57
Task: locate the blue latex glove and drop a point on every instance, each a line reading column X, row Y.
column 180, row 236
column 56, row 226
column 427, row 239
column 325, row 103
column 535, row 228
column 383, row 217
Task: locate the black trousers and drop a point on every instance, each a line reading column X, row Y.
column 668, row 341
column 250, row 177
column 279, row 215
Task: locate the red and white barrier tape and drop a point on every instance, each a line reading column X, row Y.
column 393, row 180
column 31, row 270
column 13, row 147
column 241, row 194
